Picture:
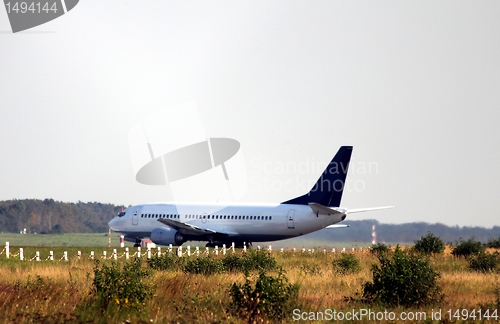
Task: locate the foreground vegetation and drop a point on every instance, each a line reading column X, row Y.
column 237, row 288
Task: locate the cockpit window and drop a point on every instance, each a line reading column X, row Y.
column 121, row 214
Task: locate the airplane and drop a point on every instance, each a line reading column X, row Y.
column 242, row 223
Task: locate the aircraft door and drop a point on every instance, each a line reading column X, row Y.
column 135, row 216
column 204, row 218
column 289, row 219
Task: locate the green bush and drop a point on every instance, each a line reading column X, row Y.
column 380, row 248
column 483, row 262
column 402, row 278
column 252, row 260
column 204, row 265
column 272, row 298
column 260, row 260
column 125, row 286
column 346, row 264
column 165, row 262
column 493, row 243
column 429, row 244
column 466, row 248
column 234, row 263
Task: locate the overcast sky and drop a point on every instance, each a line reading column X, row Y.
column 413, row 86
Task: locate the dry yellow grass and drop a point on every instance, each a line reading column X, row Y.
column 181, row 297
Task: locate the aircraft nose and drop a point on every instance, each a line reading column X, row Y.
column 111, row 223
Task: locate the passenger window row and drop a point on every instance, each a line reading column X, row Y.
column 233, row 217
column 171, row 216
column 228, row 217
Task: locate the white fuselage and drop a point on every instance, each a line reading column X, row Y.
column 241, row 222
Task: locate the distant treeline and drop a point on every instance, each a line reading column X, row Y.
column 54, row 217
column 361, row 231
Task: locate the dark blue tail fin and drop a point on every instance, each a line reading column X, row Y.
column 328, row 189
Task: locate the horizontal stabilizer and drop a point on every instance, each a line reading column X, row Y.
column 360, row 210
column 337, row 226
column 319, row 209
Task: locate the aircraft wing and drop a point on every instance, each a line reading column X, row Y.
column 190, row 229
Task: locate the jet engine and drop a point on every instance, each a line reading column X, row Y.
column 166, row 236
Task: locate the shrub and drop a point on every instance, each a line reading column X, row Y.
column 466, row 248
column 380, row 248
column 273, row 298
column 126, row 285
column 429, row 244
column 402, row 278
column 253, row 260
column 204, row 265
column 260, row 260
column 234, row 263
column 493, row 243
column 165, row 262
column 483, row 262
column 346, row 264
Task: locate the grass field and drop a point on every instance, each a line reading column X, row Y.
column 70, row 239
column 59, row 292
